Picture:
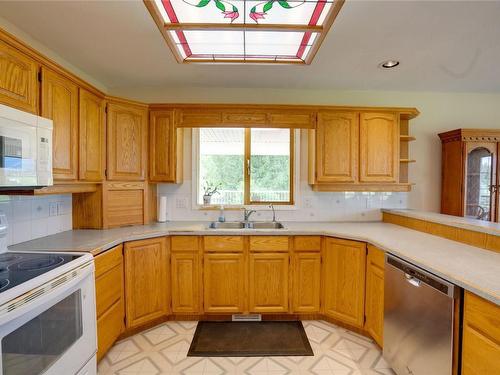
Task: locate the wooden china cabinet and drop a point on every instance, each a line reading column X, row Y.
column 470, row 173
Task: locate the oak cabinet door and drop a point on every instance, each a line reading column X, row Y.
column 18, row 79
column 127, row 142
column 344, row 280
column 165, row 148
column 60, row 104
column 186, row 280
column 306, row 283
column 146, row 281
column 337, row 147
column 481, row 336
column 224, row 283
column 379, row 147
column 268, row 282
column 374, row 309
column 92, row 145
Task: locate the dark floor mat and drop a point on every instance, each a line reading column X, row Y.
column 250, row 339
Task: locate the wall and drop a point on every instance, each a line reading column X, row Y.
column 310, row 205
column 44, row 50
column 31, row 217
column 439, row 112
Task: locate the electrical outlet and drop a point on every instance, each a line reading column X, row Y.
column 181, row 203
column 307, row 203
column 53, row 208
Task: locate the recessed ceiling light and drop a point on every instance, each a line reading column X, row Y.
column 388, row 64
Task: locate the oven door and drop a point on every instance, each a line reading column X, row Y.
column 55, row 332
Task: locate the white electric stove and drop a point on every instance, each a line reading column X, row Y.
column 47, row 312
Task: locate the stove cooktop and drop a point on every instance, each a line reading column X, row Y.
column 17, row 268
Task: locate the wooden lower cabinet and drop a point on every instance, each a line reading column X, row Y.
column 374, row 300
column 109, row 327
column 109, row 298
column 344, row 265
column 186, row 282
column 224, row 283
column 481, row 336
column 146, row 281
column 306, row 282
column 268, row 282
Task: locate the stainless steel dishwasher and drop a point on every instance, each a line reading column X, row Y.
column 418, row 320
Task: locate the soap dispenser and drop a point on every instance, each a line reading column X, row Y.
column 222, row 217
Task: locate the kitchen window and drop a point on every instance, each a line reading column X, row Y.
column 244, row 166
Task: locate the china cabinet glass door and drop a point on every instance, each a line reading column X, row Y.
column 481, row 184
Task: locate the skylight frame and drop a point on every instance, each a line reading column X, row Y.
column 168, row 28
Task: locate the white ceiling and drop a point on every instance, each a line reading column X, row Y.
column 442, row 46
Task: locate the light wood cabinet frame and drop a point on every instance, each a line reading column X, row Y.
column 92, row 144
column 59, row 102
column 18, row 79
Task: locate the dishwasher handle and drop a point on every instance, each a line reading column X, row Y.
column 412, row 280
column 418, row 277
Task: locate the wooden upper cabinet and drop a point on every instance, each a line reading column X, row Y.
column 344, row 280
column 247, row 116
column 60, row 104
column 379, row 147
column 92, row 145
column 146, row 281
column 165, row 148
column 18, row 79
column 302, row 119
column 374, row 300
column 337, row 147
column 481, row 336
column 127, row 141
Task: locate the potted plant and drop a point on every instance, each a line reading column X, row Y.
column 208, row 191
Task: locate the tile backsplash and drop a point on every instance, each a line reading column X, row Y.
column 31, row 217
column 310, row 206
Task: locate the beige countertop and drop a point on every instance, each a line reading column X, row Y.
column 452, row 221
column 469, row 267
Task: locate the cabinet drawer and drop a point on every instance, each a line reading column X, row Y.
column 223, row 243
column 185, row 243
column 481, row 336
column 109, row 327
column 307, row 243
column 108, row 289
column 483, row 315
column 107, row 260
column 268, row 243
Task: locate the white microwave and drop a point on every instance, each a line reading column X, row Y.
column 25, row 150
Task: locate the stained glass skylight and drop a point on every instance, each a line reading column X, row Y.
column 244, row 31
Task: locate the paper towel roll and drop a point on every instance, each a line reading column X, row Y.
column 162, row 209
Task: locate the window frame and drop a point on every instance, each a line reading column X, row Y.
column 247, row 202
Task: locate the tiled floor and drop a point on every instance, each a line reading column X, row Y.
column 163, row 349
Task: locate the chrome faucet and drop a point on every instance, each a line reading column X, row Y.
column 271, row 206
column 246, row 214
